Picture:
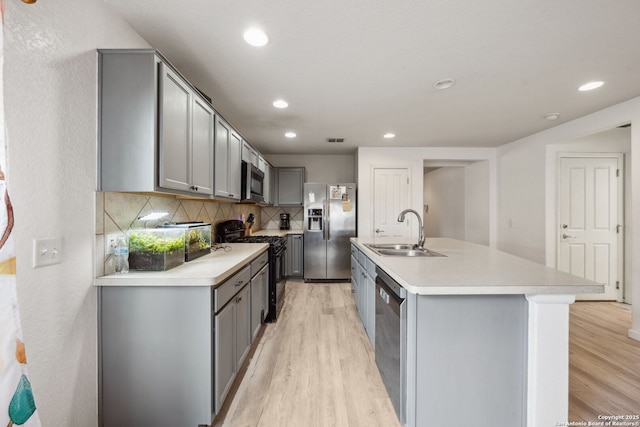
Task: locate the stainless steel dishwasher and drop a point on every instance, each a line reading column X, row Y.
column 391, row 339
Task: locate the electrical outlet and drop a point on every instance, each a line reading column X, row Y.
column 110, row 242
column 47, row 252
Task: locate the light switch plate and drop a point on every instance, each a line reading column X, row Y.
column 47, row 252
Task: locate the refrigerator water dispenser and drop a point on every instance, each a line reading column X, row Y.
column 315, row 220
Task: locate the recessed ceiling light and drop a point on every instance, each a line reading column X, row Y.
column 290, row 134
column 444, row 84
column 256, row 37
column 590, row 86
column 280, row 103
column 389, row 135
column 552, row 116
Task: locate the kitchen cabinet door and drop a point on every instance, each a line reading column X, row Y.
column 295, row 254
column 228, row 158
column 225, row 361
column 243, row 325
column 202, row 148
column 290, row 186
column 259, row 301
column 235, row 164
column 175, row 130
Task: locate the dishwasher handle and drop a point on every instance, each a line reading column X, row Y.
column 387, row 294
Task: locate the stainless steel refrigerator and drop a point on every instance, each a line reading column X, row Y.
column 329, row 222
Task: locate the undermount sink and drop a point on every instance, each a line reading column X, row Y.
column 390, row 245
column 402, row 249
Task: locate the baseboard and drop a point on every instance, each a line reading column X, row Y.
column 634, row 334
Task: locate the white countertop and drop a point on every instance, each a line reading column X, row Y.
column 208, row 270
column 281, row 233
column 471, row 269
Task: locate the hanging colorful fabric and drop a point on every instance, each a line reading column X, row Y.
column 17, row 405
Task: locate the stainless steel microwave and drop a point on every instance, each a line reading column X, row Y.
column 252, row 183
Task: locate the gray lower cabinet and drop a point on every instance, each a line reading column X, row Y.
column 232, row 331
column 289, row 186
column 259, row 293
column 156, row 356
column 295, row 255
column 168, row 355
column 225, row 363
column 156, row 131
column 363, row 286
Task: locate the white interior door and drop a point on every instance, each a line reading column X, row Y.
column 590, row 218
column 390, row 196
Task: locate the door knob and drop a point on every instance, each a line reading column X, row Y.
column 564, row 226
column 566, row 236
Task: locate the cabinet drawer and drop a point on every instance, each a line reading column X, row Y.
column 354, row 251
column 223, row 293
column 258, row 263
column 371, row 269
column 362, row 258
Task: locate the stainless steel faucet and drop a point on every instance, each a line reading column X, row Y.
column 420, row 229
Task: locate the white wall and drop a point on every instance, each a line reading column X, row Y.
column 458, row 200
column 444, row 194
column 50, row 104
column 526, row 188
column 477, row 215
column 318, row 168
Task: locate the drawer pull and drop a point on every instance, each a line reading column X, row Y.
column 239, row 283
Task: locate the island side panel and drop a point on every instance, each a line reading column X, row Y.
column 548, row 365
column 155, row 362
column 471, row 363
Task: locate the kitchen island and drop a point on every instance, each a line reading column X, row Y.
column 483, row 334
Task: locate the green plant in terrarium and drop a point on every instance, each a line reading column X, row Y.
column 196, row 238
column 154, row 243
column 155, row 249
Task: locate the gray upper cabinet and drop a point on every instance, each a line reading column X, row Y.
column 155, row 130
column 202, row 147
column 249, row 154
column 289, row 186
column 186, row 142
column 228, row 161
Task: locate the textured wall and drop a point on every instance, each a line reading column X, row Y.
column 50, row 102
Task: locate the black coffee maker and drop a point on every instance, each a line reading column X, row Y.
column 284, row 221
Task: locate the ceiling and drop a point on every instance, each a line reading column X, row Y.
column 357, row 69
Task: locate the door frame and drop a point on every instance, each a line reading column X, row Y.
column 621, row 184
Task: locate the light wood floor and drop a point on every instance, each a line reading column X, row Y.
column 314, row 367
column 604, row 363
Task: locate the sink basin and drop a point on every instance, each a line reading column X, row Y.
column 390, row 245
column 402, row 249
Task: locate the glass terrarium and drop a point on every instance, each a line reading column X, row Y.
column 197, row 238
column 155, row 249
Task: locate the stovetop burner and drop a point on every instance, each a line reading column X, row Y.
column 232, row 231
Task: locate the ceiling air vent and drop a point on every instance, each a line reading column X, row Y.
column 335, row 140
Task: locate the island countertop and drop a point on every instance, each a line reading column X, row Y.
column 208, row 270
column 472, row 269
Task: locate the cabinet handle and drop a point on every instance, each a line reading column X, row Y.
column 240, row 283
column 239, row 299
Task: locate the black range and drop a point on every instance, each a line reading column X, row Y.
column 233, row 231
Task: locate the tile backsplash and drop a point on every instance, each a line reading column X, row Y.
column 271, row 217
column 119, row 212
